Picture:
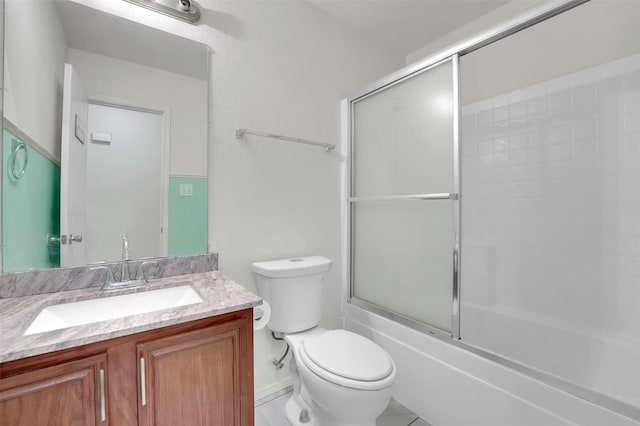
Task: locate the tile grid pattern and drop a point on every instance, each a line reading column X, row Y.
column 551, row 202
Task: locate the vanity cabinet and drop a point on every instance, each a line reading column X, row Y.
column 198, row 373
column 191, row 378
column 70, row 393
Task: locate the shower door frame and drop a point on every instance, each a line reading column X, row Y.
column 434, row 197
column 519, row 23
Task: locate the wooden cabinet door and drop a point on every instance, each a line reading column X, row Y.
column 69, row 394
column 198, row 378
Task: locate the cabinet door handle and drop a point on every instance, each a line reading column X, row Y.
column 103, row 398
column 143, row 384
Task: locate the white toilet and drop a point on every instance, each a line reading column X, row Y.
column 339, row 378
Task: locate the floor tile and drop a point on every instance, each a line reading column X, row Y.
column 396, row 415
column 271, row 413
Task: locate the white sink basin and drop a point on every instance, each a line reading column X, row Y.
column 105, row 308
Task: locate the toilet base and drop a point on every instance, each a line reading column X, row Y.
column 294, row 411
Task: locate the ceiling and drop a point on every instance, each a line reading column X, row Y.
column 403, row 26
column 400, row 26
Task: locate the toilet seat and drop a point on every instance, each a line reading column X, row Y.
column 348, row 359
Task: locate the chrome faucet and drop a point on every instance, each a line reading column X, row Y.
column 125, row 274
column 124, row 270
column 126, row 280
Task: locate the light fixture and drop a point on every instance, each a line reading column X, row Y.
column 184, row 10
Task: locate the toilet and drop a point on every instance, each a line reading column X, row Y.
column 339, row 378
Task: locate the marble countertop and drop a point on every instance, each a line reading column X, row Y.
column 219, row 294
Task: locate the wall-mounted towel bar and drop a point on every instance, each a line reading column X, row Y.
column 241, row 132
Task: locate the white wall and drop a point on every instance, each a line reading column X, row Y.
column 511, row 10
column 555, row 48
column 38, row 79
column 185, row 97
column 279, row 66
column 285, row 72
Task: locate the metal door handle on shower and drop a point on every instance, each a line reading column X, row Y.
column 413, row 197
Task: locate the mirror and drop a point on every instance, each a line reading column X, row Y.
column 105, row 134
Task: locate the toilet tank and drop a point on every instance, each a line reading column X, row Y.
column 295, row 290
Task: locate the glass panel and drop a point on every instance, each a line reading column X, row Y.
column 403, row 145
column 551, row 198
column 402, row 258
column 403, row 137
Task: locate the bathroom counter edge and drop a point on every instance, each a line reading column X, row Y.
column 220, row 295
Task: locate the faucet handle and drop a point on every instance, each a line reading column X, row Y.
column 140, row 275
column 125, row 247
column 108, row 277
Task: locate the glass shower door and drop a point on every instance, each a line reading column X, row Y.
column 403, row 199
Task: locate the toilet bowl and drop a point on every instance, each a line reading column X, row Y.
column 339, row 378
column 344, row 379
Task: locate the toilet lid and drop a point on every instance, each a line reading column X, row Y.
column 348, row 355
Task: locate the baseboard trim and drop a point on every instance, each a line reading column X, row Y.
column 272, row 391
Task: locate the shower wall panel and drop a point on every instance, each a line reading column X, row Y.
column 551, row 226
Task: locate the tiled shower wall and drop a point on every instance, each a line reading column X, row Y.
column 551, row 226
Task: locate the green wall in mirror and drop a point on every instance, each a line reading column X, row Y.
column 31, row 209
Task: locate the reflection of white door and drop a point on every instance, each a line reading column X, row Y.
column 125, row 178
column 72, row 170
